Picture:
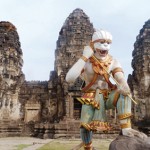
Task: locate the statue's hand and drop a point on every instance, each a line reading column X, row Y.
column 133, row 133
column 123, row 89
column 88, row 52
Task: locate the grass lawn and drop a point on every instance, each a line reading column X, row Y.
column 62, row 144
column 22, row 146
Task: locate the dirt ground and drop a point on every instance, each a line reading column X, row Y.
column 29, row 143
column 11, row 143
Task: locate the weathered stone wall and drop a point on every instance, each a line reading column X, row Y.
column 57, row 96
column 139, row 81
column 35, row 98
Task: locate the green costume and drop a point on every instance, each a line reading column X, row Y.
column 95, row 118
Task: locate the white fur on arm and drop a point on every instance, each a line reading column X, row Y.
column 75, row 71
column 119, row 76
column 123, row 87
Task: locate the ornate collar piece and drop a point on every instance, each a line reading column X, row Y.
column 99, row 68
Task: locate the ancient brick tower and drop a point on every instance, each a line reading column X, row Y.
column 139, row 81
column 73, row 36
column 11, row 76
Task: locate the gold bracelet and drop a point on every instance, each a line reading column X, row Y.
column 84, row 58
column 88, row 146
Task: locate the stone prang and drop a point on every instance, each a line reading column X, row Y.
column 139, row 81
column 11, row 76
column 73, row 36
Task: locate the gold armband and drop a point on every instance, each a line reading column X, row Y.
column 125, row 125
column 116, row 70
column 124, row 116
column 84, row 58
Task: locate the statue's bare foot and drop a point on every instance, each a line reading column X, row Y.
column 133, row 133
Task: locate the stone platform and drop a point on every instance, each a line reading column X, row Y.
column 67, row 129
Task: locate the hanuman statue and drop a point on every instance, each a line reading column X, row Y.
column 95, row 67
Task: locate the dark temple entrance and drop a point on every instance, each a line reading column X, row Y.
column 77, row 109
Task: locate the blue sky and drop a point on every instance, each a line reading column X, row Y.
column 38, row 23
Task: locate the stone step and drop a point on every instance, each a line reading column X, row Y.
column 2, row 130
column 10, row 134
column 9, row 128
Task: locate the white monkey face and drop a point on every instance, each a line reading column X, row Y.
column 101, row 48
column 102, row 41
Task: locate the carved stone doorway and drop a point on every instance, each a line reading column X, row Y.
column 32, row 111
column 32, row 115
column 77, row 109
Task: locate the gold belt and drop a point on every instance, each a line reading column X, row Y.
column 105, row 92
column 89, row 97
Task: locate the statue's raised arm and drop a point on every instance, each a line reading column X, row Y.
column 77, row 68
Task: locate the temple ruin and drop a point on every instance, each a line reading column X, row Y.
column 49, row 109
column 139, row 81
